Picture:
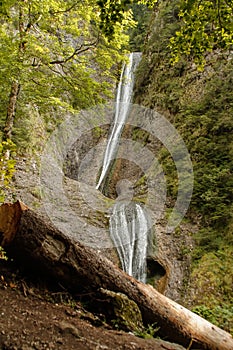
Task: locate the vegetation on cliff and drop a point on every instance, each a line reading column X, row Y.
column 199, row 102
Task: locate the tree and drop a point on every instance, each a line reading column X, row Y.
column 51, row 55
column 116, row 11
column 205, row 26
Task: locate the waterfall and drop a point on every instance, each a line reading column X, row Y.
column 128, row 223
column 123, row 99
column 128, row 230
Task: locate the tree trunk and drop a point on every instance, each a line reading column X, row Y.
column 81, row 269
column 15, row 86
column 11, row 111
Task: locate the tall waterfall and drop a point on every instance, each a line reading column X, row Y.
column 123, row 99
column 129, row 224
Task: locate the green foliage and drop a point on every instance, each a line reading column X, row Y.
column 200, row 106
column 149, row 332
column 221, row 316
column 170, row 172
column 116, row 12
column 112, row 13
column 138, row 33
column 214, row 273
column 149, row 3
column 60, row 58
column 155, row 69
column 205, row 26
column 208, row 131
column 212, row 276
column 7, row 166
column 213, row 296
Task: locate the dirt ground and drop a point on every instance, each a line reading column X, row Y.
column 36, row 316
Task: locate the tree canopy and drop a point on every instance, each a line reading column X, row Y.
column 55, row 51
column 115, row 11
column 204, row 26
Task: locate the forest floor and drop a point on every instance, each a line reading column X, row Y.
column 36, row 315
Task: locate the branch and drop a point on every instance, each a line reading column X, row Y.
column 63, row 11
column 62, row 75
column 37, row 83
column 77, row 51
column 219, row 15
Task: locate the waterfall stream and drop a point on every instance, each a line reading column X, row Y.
column 123, row 99
column 128, row 230
column 129, row 224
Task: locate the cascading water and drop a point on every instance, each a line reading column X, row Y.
column 129, row 224
column 128, row 230
column 123, row 99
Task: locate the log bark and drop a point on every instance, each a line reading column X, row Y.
column 82, row 270
column 10, row 215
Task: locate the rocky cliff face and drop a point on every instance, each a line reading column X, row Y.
column 167, row 263
column 168, row 259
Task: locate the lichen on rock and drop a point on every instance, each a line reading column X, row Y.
column 122, row 311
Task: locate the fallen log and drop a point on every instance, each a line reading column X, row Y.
column 81, row 269
column 10, row 216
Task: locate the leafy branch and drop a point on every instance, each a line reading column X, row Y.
column 79, row 50
column 205, row 25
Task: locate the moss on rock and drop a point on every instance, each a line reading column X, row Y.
column 121, row 311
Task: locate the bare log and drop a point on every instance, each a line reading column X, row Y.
column 81, row 269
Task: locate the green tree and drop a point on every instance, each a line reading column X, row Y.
column 114, row 12
column 204, row 26
column 139, row 33
column 53, row 55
